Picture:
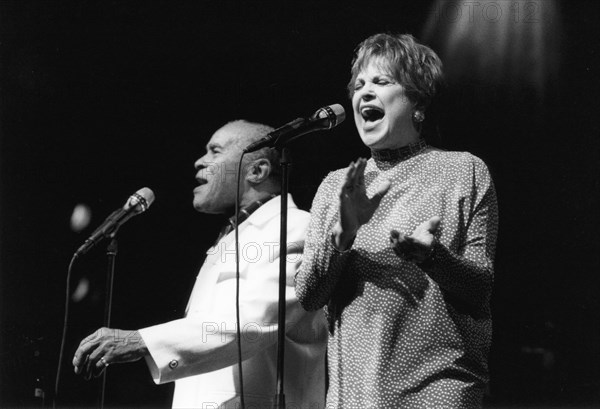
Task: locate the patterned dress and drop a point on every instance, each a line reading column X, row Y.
column 406, row 335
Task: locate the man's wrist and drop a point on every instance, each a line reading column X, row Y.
column 135, row 338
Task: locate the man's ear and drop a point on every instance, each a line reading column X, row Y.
column 258, row 171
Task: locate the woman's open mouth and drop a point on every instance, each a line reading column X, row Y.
column 371, row 115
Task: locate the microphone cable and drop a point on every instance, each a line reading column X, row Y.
column 237, row 281
column 64, row 331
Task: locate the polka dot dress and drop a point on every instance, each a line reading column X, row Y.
column 404, row 335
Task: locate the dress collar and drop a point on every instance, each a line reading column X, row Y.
column 399, row 154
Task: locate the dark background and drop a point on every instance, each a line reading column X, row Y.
column 99, row 99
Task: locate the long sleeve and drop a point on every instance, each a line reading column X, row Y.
column 402, row 333
column 468, row 273
column 322, row 265
column 206, row 339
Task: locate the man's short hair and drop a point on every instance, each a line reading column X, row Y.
column 251, row 132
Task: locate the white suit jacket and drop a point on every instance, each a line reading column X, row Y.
column 199, row 351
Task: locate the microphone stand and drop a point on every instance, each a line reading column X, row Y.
column 111, row 253
column 285, row 163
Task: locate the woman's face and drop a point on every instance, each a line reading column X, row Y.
column 382, row 111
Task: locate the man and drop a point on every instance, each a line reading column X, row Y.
column 199, row 351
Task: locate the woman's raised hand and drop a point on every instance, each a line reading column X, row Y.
column 356, row 208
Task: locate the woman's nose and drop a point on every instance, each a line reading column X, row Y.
column 366, row 93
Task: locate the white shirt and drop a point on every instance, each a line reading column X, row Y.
column 199, row 351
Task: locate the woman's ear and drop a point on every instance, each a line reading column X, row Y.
column 258, row 171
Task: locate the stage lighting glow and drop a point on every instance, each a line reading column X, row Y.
column 82, row 290
column 506, row 42
column 80, row 218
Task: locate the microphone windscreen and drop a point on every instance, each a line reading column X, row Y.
column 334, row 114
column 339, row 112
column 141, row 200
column 147, row 194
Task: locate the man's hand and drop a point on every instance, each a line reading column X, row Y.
column 356, row 208
column 105, row 347
column 417, row 246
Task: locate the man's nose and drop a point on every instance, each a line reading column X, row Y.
column 200, row 163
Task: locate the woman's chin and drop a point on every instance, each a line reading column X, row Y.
column 375, row 142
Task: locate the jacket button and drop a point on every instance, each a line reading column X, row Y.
column 173, row 364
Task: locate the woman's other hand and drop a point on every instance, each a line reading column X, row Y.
column 417, row 246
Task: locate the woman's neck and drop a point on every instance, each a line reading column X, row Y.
column 401, row 153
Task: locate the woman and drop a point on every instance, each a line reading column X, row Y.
column 400, row 248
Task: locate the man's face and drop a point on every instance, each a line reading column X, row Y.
column 217, row 172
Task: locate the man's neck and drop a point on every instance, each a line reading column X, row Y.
column 253, row 195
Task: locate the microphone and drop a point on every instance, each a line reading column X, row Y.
column 325, row 118
column 137, row 203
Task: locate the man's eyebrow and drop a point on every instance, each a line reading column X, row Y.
column 212, row 145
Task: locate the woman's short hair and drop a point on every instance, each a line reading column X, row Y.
column 414, row 65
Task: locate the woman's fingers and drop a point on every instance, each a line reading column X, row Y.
column 350, row 175
column 360, row 172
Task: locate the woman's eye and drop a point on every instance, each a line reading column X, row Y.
column 357, row 86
